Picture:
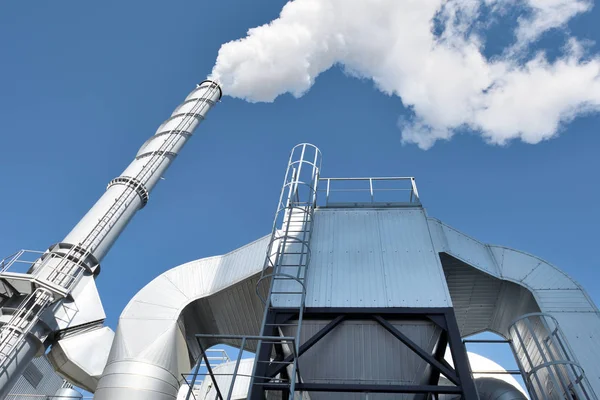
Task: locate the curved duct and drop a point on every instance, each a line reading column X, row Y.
column 154, row 343
column 496, row 389
column 490, row 286
column 67, row 394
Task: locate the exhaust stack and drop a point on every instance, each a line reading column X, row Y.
column 57, row 295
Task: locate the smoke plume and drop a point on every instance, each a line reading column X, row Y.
column 430, row 53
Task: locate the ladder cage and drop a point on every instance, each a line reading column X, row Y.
column 288, row 257
column 546, row 361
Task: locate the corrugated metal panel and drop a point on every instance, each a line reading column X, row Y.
column 48, row 383
column 474, row 295
column 558, row 301
column 364, row 352
column 412, row 269
column 538, row 286
column 469, row 250
column 583, row 332
column 514, row 265
column 438, row 236
column 545, row 276
column 374, row 258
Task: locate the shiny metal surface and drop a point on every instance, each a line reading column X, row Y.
column 496, row 389
column 548, row 365
column 69, row 267
column 213, row 295
column 361, row 257
column 66, row 394
column 371, row 257
column 518, row 283
column 81, row 358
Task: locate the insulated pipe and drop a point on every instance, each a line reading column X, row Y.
column 67, row 394
column 22, row 330
column 489, row 388
column 497, row 389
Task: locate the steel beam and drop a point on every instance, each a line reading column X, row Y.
column 417, row 349
column 307, row 345
column 369, row 388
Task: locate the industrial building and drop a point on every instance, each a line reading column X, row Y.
column 356, row 293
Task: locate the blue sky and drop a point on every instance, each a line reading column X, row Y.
column 84, row 84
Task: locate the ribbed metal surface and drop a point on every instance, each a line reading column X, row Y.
column 367, row 257
column 364, row 352
column 213, row 295
column 483, row 302
column 582, row 330
column 463, row 247
column 374, row 258
column 47, row 386
column 517, row 283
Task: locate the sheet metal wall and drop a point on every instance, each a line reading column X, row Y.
column 364, row 352
column 552, row 291
column 374, row 258
column 361, row 257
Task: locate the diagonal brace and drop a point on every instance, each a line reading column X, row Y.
column 451, row 375
column 307, row 345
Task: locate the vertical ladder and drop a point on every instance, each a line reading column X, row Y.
column 69, row 268
column 286, row 264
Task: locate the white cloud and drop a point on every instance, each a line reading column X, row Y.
column 546, row 15
column 445, row 80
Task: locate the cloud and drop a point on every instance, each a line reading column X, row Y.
column 441, row 75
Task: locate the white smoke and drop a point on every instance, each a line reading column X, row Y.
column 430, row 54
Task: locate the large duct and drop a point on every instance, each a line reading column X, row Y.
column 370, row 256
column 57, row 294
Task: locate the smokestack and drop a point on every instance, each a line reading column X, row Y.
column 32, row 313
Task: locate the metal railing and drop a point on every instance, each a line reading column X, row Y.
column 19, row 261
column 381, row 191
column 222, row 382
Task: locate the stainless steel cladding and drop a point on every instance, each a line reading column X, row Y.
column 546, row 360
column 57, row 293
column 99, row 228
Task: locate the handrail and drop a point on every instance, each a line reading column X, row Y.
column 411, row 199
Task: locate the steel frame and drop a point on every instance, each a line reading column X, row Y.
column 267, row 369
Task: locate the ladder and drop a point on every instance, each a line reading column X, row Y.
column 69, row 268
column 286, row 265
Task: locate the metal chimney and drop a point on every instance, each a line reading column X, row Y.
column 53, row 297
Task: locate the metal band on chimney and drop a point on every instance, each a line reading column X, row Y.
column 133, row 183
column 213, row 84
column 169, row 154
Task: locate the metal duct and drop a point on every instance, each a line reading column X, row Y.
column 49, row 297
column 496, row 389
column 67, row 394
column 489, row 388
